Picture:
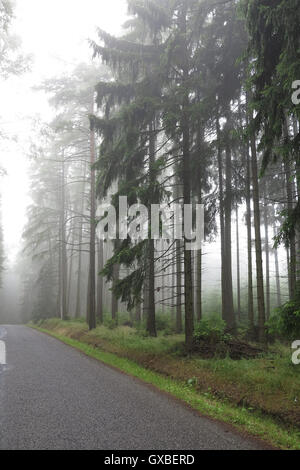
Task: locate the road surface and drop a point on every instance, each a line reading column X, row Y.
column 54, row 397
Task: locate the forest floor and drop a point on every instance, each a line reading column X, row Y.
column 260, row 396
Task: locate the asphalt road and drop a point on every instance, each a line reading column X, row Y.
column 53, row 397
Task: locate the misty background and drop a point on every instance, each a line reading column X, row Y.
column 55, row 39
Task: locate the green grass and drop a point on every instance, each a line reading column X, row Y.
column 123, row 336
column 271, row 373
column 244, row 418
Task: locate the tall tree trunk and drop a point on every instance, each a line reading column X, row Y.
column 266, row 224
column 172, row 291
column 229, row 315
column 100, row 282
column 199, row 285
column 162, row 284
column 92, row 268
column 179, row 325
column 238, row 274
column 80, row 237
column 78, row 289
column 178, row 264
column 292, row 241
column 222, row 229
column 249, row 244
column 63, row 245
column 70, row 280
column 151, row 321
column 297, row 228
column 199, row 275
column 114, row 299
column 287, row 250
column 58, row 302
column 200, row 139
column 277, row 274
column 70, row 277
column 290, row 207
column 186, row 182
column 146, row 294
column 258, row 249
column 188, row 280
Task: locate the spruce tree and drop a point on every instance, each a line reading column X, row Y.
column 128, row 151
column 275, row 65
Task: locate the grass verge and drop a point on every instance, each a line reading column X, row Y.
column 243, row 418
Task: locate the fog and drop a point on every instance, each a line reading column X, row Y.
column 53, row 37
column 149, row 227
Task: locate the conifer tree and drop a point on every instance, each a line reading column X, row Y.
column 128, row 151
column 275, row 65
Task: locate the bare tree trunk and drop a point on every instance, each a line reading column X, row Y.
column 63, row 245
column 114, row 300
column 222, row 230
column 186, row 181
column 278, row 288
column 70, row 277
column 292, row 247
column 290, row 206
column 172, row 288
column 178, row 265
column 58, row 303
column 78, row 290
column 188, row 282
column 288, row 270
column 80, row 236
column 92, row 268
column 179, row 325
column 297, row 228
column 146, row 294
column 249, row 243
column 100, row 282
column 267, row 261
column 151, row 321
column 199, row 285
column 198, row 280
column 162, row 285
column 70, row 280
column 259, row 263
column 238, row 264
column 229, row 316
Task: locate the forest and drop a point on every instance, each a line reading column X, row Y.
column 196, row 102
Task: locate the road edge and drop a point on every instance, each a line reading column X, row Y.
column 204, row 407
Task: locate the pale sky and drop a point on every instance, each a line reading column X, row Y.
column 55, row 33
